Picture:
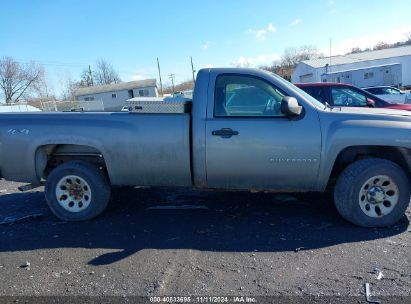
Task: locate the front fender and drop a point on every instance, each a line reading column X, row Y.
column 340, row 135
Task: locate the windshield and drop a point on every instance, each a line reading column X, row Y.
column 308, row 97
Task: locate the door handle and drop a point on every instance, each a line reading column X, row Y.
column 224, row 132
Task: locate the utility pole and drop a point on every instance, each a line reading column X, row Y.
column 172, row 76
column 159, row 75
column 192, row 69
column 90, row 75
column 330, row 54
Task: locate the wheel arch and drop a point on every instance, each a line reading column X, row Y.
column 48, row 156
column 398, row 155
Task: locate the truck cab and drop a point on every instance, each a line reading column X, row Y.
column 249, row 141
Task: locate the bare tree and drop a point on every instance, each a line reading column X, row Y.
column 86, row 79
column 289, row 57
column 381, row 46
column 104, row 73
column 355, row 50
column 292, row 56
column 69, row 89
column 289, row 60
column 19, row 81
column 184, row 86
column 307, row 52
column 273, row 67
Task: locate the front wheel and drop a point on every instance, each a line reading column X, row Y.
column 372, row 193
column 77, row 191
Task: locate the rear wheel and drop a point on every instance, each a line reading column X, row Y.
column 372, row 193
column 77, row 191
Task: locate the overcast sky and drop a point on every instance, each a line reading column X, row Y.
column 67, row 36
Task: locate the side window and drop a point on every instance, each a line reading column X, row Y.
column 385, row 91
column 319, row 93
column 378, row 91
column 310, row 91
column 392, row 91
column 373, row 90
column 242, row 96
column 345, row 96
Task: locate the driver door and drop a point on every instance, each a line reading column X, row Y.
column 251, row 144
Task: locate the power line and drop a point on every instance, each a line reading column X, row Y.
column 52, row 63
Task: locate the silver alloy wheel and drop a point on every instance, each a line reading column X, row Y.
column 73, row 193
column 378, row 196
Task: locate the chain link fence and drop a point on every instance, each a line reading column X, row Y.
column 53, row 106
column 59, row 106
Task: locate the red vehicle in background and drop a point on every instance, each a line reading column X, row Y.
column 346, row 95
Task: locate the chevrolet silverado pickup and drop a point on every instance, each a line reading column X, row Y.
column 246, row 129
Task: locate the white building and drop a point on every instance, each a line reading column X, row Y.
column 114, row 96
column 383, row 67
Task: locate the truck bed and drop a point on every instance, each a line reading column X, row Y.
column 138, row 149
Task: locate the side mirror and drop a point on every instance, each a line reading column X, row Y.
column 370, row 103
column 290, row 106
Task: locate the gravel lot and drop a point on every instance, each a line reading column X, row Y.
column 181, row 242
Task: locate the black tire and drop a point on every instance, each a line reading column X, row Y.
column 350, row 183
column 99, row 190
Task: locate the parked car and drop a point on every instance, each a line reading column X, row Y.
column 390, row 94
column 247, row 129
column 345, row 95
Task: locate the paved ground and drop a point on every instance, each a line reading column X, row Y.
column 213, row 244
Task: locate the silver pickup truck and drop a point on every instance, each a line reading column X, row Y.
column 247, row 130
